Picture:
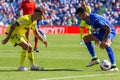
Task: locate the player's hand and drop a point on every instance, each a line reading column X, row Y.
column 97, row 43
column 45, row 43
column 106, row 43
column 103, row 45
column 5, row 41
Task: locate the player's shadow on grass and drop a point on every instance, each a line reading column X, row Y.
column 61, row 69
column 46, row 69
column 8, row 70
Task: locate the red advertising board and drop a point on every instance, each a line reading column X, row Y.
column 53, row 29
column 2, row 29
column 60, row 29
column 117, row 29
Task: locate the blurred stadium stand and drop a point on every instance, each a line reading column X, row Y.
column 62, row 12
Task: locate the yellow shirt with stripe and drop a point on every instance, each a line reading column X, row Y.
column 25, row 23
column 83, row 23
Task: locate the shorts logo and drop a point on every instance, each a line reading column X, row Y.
column 26, row 28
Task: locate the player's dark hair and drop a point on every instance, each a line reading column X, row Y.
column 80, row 9
column 38, row 9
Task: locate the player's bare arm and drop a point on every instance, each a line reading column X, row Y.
column 83, row 3
column 9, row 33
column 40, row 38
column 104, row 42
column 107, row 32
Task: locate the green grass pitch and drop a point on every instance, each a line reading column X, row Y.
column 64, row 59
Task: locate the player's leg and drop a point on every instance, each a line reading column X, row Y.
column 36, row 44
column 23, row 56
column 82, row 25
column 111, row 53
column 42, row 33
column 109, row 49
column 87, row 39
column 21, row 41
column 81, row 35
column 31, row 59
column 112, row 59
column 30, row 55
column 36, row 40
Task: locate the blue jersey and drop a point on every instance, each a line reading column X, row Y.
column 98, row 23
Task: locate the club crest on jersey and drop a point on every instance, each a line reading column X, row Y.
column 21, row 22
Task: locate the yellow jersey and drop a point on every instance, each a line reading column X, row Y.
column 83, row 23
column 24, row 24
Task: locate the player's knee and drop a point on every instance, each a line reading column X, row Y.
column 85, row 39
column 25, row 47
column 107, row 45
column 30, row 49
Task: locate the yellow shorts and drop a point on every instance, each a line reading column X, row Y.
column 17, row 38
column 84, row 24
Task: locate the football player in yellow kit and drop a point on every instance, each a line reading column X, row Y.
column 83, row 23
column 16, row 33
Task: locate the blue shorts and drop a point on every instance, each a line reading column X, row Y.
column 111, row 36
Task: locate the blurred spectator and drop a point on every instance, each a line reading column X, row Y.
column 27, row 7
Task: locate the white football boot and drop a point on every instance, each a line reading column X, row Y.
column 93, row 62
column 113, row 68
column 22, row 68
column 33, row 67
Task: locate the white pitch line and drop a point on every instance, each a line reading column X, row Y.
column 83, row 76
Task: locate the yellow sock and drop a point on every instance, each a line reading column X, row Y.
column 23, row 57
column 81, row 34
column 31, row 58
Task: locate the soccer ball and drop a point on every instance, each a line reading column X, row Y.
column 105, row 65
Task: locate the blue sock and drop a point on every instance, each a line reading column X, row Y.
column 111, row 56
column 90, row 48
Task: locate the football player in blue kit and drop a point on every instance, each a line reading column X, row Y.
column 103, row 36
